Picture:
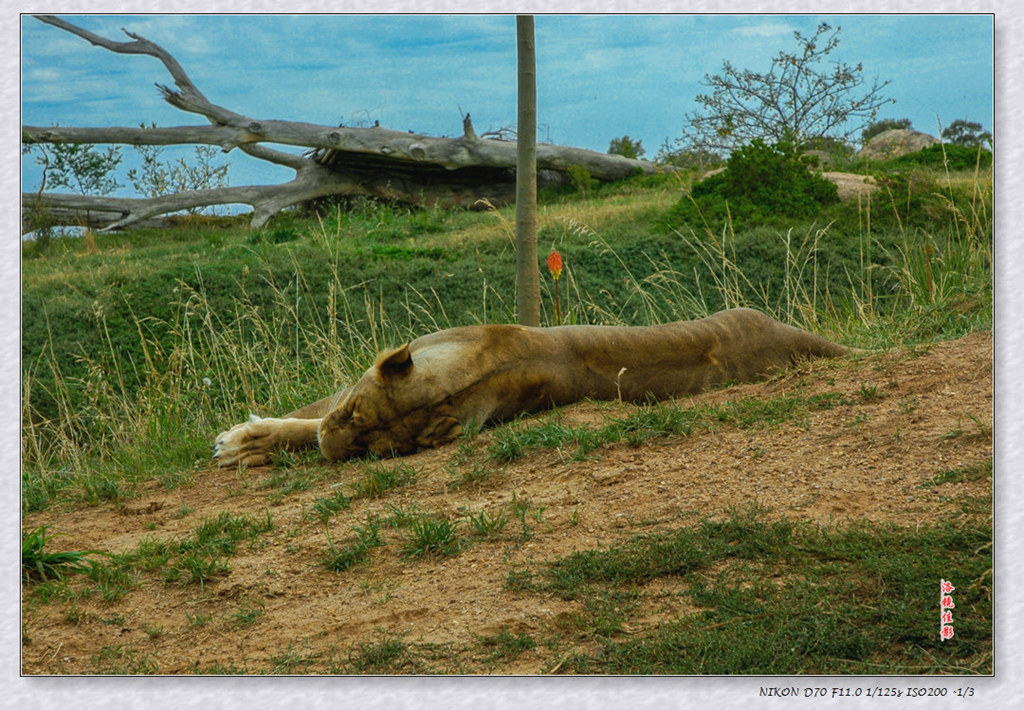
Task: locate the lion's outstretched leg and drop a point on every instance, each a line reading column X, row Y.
column 253, row 442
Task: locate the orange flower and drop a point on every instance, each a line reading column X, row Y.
column 555, row 267
column 555, row 264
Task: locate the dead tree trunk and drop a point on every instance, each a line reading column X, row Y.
column 375, row 162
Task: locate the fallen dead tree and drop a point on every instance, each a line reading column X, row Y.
column 346, row 161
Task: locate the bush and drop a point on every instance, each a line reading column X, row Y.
column 760, row 184
column 955, row 157
column 627, row 147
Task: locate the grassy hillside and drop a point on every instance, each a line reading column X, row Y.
column 136, row 352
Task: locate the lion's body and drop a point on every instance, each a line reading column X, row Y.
column 424, row 393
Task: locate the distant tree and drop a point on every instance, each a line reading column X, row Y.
column 968, row 134
column 796, row 100
column 627, row 147
column 688, row 156
column 886, row 124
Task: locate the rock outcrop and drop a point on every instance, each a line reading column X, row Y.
column 896, row 142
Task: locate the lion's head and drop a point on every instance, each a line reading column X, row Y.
column 395, row 408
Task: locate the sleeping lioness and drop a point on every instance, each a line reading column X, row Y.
column 425, row 392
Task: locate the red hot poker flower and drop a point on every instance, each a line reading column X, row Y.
column 555, row 264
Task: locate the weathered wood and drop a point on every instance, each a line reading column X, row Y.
column 109, row 213
column 372, row 161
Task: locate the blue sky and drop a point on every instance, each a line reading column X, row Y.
column 599, row 76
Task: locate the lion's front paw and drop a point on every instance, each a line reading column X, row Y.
column 250, row 443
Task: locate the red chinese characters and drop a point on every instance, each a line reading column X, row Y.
column 946, row 603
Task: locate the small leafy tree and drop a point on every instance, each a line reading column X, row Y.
column 796, row 100
column 580, row 178
column 153, row 178
column 156, row 177
column 967, row 133
column 627, row 147
column 82, row 168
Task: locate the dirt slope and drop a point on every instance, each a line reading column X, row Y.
column 914, row 416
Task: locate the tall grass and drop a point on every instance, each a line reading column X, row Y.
column 202, row 370
column 926, row 270
column 215, row 358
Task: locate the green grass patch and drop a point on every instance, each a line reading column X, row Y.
column 324, row 508
column 221, row 534
column 115, row 577
column 200, row 557
column 401, row 516
column 505, row 646
column 377, row 478
column 512, row 441
column 429, row 535
column 247, row 614
column 293, row 662
column 487, row 525
column 390, row 654
column 39, row 565
column 287, row 481
column 961, row 474
column 781, row 598
column 122, row 659
column 525, row 510
column 465, row 467
column 197, row 567
column 339, row 558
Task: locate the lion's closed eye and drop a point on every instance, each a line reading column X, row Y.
column 440, row 431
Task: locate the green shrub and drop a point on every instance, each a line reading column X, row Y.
column 760, row 185
column 954, row 157
column 430, row 535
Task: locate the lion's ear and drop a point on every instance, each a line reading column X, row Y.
column 396, row 362
column 355, row 416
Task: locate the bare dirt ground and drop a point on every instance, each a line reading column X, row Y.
column 916, row 415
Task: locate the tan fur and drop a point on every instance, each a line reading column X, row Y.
column 423, row 393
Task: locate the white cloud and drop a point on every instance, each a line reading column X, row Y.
column 765, row 29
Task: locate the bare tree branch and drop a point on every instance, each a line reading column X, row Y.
column 342, row 160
